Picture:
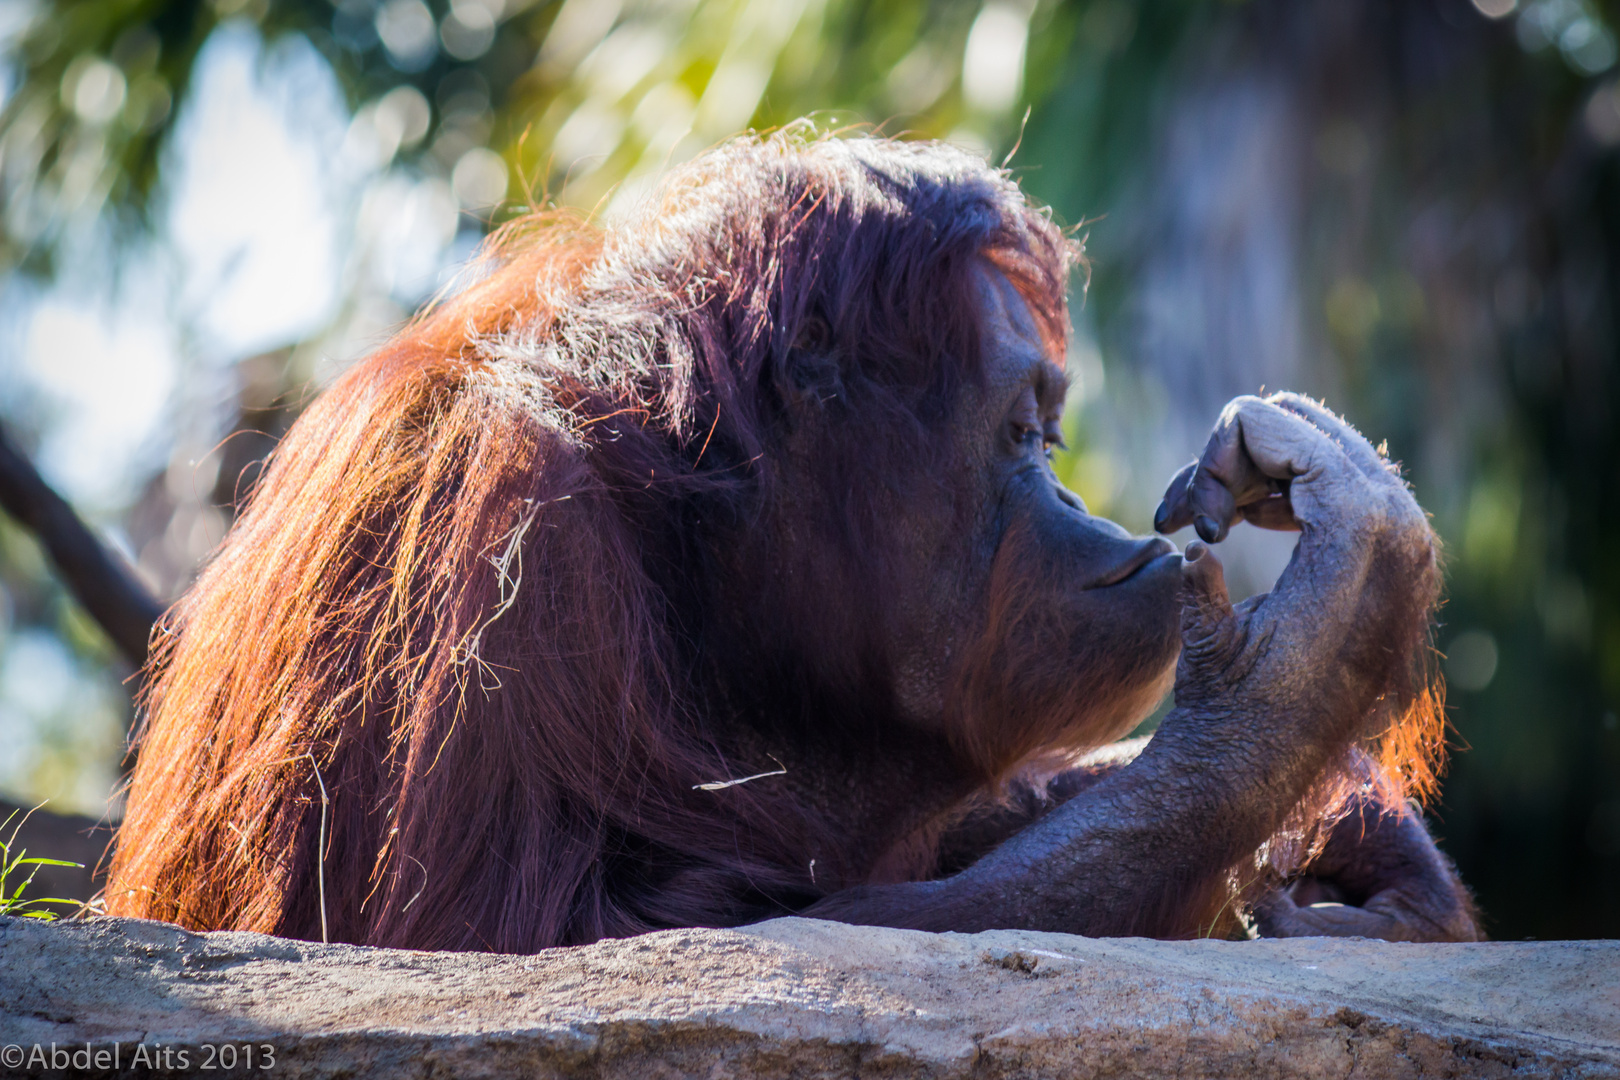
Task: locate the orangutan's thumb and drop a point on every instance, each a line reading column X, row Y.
column 1205, row 605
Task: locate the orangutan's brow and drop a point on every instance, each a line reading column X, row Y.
column 1050, row 385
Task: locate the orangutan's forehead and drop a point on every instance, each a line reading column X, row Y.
column 1015, row 350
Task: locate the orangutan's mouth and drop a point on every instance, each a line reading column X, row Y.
column 1148, row 550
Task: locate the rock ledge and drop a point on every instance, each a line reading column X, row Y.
column 799, row 998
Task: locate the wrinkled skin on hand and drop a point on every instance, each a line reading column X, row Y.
column 1363, row 577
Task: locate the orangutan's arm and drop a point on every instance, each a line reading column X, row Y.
column 1379, row 875
column 984, row 827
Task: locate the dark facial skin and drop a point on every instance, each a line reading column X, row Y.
column 1108, row 599
column 1269, row 696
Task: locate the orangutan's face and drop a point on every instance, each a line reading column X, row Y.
column 1097, row 606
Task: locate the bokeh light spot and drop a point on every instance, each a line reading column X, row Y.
column 479, row 179
column 1471, row 660
column 94, row 89
column 408, row 33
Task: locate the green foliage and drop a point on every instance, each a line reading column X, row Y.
column 578, row 95
column 96, row 84
column 13, row 865
column 73, row 698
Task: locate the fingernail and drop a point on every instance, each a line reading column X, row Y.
column 1160, row 516
column 1194, row 551
column 1208, row 528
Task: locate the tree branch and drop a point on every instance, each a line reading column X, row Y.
column 98, row 578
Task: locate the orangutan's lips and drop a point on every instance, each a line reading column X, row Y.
column 1145, row 553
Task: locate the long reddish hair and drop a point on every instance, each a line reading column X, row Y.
column 436, row 689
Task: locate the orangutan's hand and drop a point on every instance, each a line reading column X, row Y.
column 1287, row 463
column 1320, row 647
column 1379, row 876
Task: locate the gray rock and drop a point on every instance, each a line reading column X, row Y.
column 799, row 998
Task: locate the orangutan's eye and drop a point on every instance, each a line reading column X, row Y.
column 1048, row 436
column 1052, row 437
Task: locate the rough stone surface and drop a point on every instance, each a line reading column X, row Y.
column 798, row 998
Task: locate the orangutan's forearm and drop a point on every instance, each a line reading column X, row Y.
column 1079, row 868
column 985, row 828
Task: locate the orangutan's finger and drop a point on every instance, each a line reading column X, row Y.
column 1206, row 606
column 1355, row 445
column 1174, row 510
column 1273, row 512
column 1213, row 507
column 1227, row 478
